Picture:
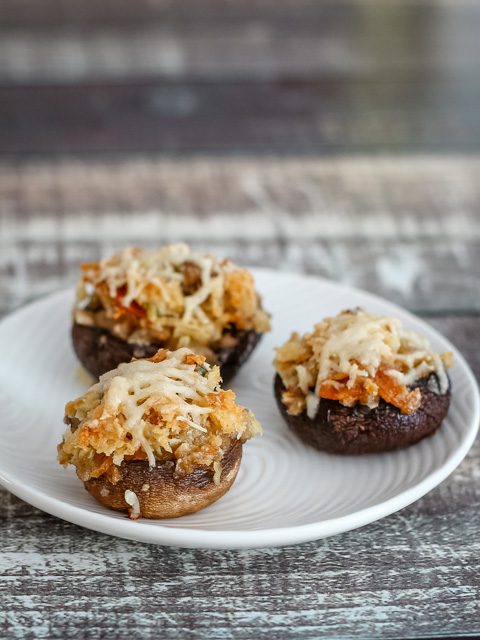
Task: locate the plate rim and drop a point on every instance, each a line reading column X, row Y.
column 186, row 537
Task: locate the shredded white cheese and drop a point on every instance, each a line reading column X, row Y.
column 140, row 268
column 312, row 402
column 354, row 350
column 302, row 374
column 131, row 499
column 357, row 343
column 134, row 387
column 171, row 295
column 169, row 409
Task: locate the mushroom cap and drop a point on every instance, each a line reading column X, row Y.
column 99, row 351
column 161, row 493
column 358, row 429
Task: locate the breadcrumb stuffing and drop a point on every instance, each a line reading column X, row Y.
column 171, row 296
column 357, row 357
column 168, row 407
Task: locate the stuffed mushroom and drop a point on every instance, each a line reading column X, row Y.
column 138, row 300
column 157, row 437
column 361, row 383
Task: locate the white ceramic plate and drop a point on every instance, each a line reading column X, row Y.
column 285, row 492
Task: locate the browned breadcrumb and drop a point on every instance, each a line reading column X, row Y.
column 356, row 357
column 171, row 296
column 192, row 427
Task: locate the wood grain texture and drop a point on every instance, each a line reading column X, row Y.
column 290, row 117
column 70, row 40
column 335, row 137
column 211, row 76
column 407, row 228
column 413, row 574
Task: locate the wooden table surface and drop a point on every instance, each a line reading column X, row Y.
column 331, row 137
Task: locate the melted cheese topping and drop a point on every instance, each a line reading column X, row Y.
column 357, row 356
column 168, row 407
column 133, row 388
column 133, row 502
column 171, row 295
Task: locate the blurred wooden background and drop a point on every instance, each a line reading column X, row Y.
column 334, row 137
column 338, row 137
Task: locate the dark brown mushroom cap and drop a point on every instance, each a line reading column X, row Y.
column 99, row 351
column 358, row 429
column 161, row 493
column 231, row 359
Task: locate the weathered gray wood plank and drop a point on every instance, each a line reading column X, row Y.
column 294, row 76
column 413, row 574
column 407, row 228
column 291, row 117
column 70, row 40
